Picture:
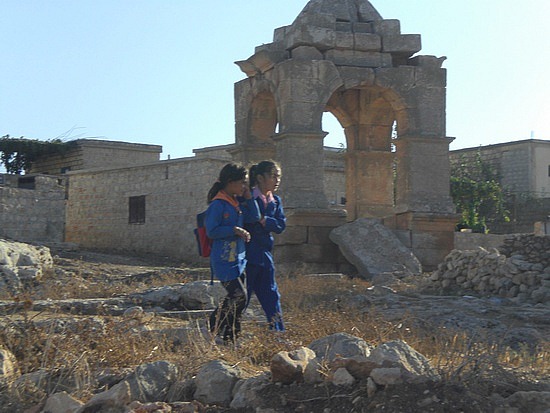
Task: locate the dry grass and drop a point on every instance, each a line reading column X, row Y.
column 72, row 354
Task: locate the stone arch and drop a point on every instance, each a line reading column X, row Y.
column 341, row 56
column 368, row 113
column 256, row 119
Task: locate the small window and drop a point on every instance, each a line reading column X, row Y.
column 65, row 169
column 548, row 170
column 136, row 209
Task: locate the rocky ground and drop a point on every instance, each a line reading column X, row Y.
column 405, row 303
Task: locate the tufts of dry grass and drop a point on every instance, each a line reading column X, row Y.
column 70, row 353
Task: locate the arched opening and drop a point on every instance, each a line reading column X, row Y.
column 334, row 161
column 336, row 137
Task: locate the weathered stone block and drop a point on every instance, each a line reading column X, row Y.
column 306, row 53
column 356, row 76
column 358, row 58
column 405, row 43
column 280, row 33
column 367, row 42
column 387, row 27
column 343, row 26
column 344, row 40
column 361, row 27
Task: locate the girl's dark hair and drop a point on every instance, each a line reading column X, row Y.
column 259, row 169
column 229, row 173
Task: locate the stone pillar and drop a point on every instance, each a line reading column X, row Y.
column 369, row 184
column 423, row 174
column 301, row 159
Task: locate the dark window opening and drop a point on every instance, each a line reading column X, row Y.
column 136, row 209
column 548, row 170
column 26, row 183
column 65, row 169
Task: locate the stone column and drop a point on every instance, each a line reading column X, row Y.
column 301, row 158
column 369, row 184
column 423, row 174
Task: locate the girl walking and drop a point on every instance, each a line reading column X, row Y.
column 260, row 269
column 230, row 206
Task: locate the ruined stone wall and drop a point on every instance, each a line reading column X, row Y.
column 523, row 215
column 175, row 191
column 30, row 215
column 518, row 270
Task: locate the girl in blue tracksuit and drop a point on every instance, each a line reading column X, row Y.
column 230, row 206
column 260, row 269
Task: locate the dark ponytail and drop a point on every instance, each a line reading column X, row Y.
column 229, row 173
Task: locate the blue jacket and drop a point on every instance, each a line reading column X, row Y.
column 227, row 257
column 258, row 250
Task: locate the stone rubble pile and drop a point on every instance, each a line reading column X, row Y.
column 520, row 271
column 339, row 360
column 534, row 248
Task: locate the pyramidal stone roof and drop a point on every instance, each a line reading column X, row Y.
column 343, row 10
column 346, row 32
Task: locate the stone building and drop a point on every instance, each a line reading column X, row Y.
column 97, row 153
column 523, row 168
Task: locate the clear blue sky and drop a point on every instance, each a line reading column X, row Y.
column 162, row 71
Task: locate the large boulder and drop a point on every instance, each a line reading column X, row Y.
column 374, row 249
column 21, row 264
column 215, row 382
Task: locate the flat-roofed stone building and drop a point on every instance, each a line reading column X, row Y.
column 97, row 153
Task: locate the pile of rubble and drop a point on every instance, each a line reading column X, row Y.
column 520, row 270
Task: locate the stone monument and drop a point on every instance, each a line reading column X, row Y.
column 341, row 56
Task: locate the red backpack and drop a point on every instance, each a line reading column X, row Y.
column 204, row 243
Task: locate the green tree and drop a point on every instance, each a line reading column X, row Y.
column 477, row 194
column 18, row 154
